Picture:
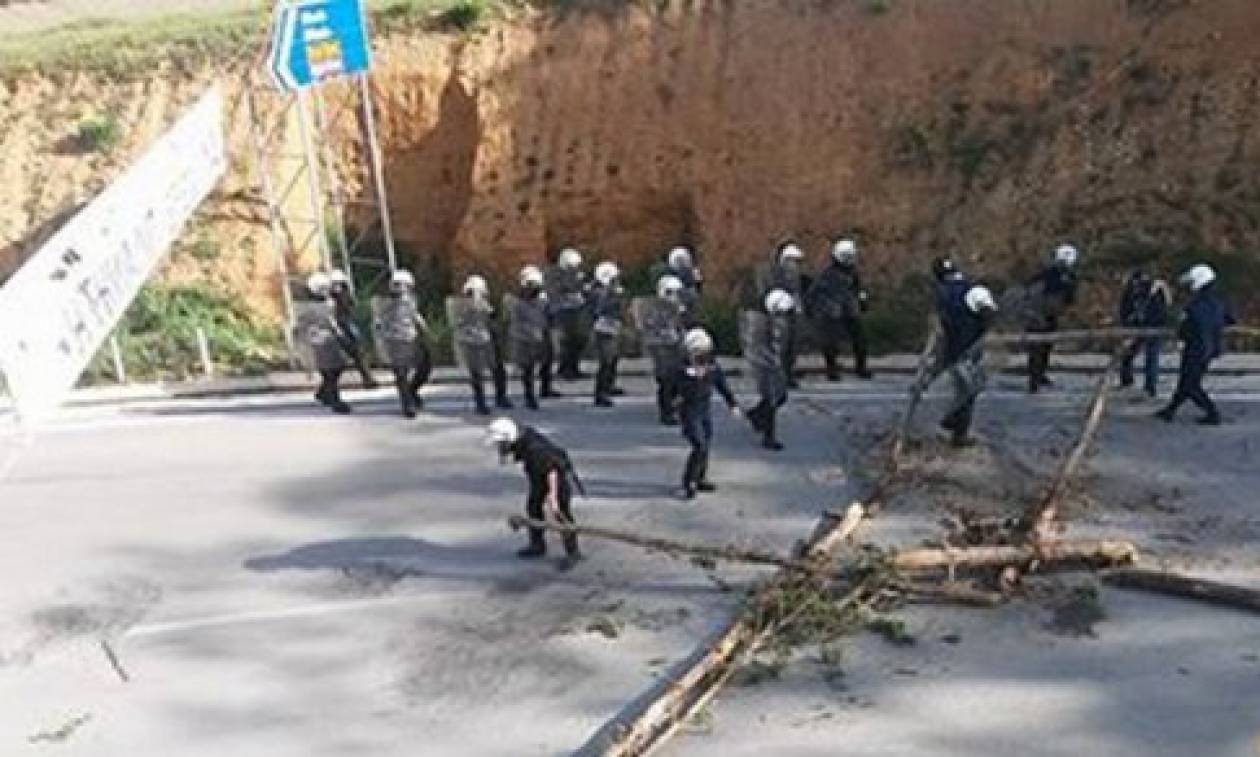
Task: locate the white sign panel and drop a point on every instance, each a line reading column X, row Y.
column 62, row 303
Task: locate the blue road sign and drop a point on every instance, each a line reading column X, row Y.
column 313, row 41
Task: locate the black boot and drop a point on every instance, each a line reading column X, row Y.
column 770, row 440
column 479, row 398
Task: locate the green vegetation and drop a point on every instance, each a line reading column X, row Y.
column 126, row 47
column 158, row 336
column 465, row 15
column 99, row 133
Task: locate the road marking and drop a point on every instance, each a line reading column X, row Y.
column 266, row 616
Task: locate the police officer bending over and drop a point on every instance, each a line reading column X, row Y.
column 547, row 469
column 696, row 380
column 1203, row 333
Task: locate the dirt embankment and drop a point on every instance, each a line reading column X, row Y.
column 984, row 128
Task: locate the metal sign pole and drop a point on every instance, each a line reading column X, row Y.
column 338, row 199
column 312, row 177
column 378, row 173
column 277, row 235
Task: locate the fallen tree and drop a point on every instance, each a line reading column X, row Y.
column 1101, row 553
column 1038, row 519
column 1174, row 584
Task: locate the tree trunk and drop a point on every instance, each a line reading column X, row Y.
column 1238, row 597
column 1053, row 554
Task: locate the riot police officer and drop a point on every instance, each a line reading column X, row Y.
column 347, row 329
column 1202, row 333
column 1048, row 295
column 765, row 337
column 693, row 387
column 680, row 262
column 1144, row 304
column 567, row 295
column 660, row 322
column 784, row 272
column 836, row 300
column 547, row 470
column 527, row 333
column 321, row 331
column 405, row 337
column 606, row 305
column 966, row 312
column 472, row 317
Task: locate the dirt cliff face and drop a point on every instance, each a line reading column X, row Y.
column 989, row 129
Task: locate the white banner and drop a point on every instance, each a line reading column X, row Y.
column 57, row 310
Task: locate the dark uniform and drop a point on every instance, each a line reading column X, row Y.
column 765, row 338
column 1049, row 294
column 606, row 307
column 961, row 353
column 348, row 331
column 1143, row 304
column 1202, row 332
column 660, row 323
column 692, row 281
column 788, row 277
column 472, row 321
column 693, row 386
column 541, row 459
column 318, row 327
column 836, row 301
column 566, row 295
column 404, row 336
column 527, row 340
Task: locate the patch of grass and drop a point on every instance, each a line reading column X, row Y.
column 893, row 327
column 158, row 335
column 465, row 15
column 876, row 7
column 100, row 134
column 123, row 48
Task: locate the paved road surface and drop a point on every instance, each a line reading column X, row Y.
column 279, row 582
column 33, row 15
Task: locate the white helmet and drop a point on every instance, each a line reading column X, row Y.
column 844, row 251
column 1066, row 254
column 531, row 274
column 1198, row 277
column 401, row 278
column 791, row 251
column 680, row 257
column 476, row 286
column 318, row 283
column 606, row 271
column 979, row 298
column 779, row 302
column 570, row 258
column 698, row 342
column 502, row 431
column 337, row 276
column 669, row 286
